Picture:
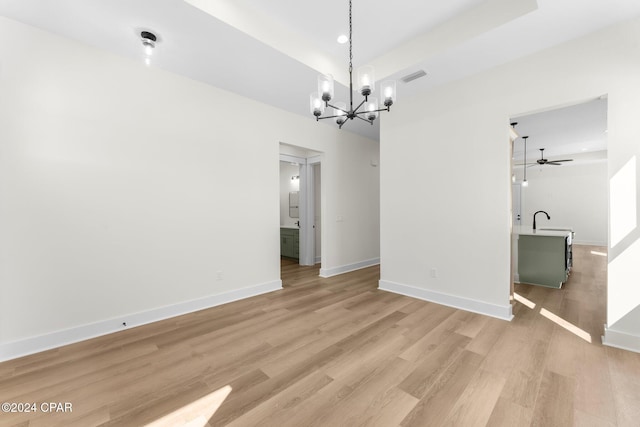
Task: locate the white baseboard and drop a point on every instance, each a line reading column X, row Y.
column 499, row 311
column 15, row 349
column 318, row 259
column 621, row 340
column 329, row 272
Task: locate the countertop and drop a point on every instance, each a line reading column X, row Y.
column 542, row 231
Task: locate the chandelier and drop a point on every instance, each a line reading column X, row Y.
column 368, row 109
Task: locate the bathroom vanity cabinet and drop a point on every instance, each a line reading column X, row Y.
column 290, row 242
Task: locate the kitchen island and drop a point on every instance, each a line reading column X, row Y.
column 543, row 255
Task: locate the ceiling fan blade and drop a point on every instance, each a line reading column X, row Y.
column 528, row 164
column 553, row 163
column 565, row 160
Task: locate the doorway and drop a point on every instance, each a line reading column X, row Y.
column 290, row 210
column 300, row 206
column 565, row 171
column 564, row 175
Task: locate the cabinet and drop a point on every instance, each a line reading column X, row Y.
column 290, row 242
column 544, row 260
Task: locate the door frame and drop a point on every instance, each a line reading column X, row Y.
column 310, row 210
column 513, row 135
column 307, row 206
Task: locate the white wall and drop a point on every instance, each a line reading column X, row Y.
column 444, row 205
column 287, row 185
column 575, row 196
column 121, row 197
column 455, row 217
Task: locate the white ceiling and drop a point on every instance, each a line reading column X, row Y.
column 577, row 132
column 374, row 22
column 272, row 51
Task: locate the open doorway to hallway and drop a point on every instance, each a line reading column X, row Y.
column 300, row 206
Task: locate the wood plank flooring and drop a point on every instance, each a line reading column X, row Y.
column 332, row 352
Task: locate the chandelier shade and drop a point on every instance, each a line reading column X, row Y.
column 340, row 112
column 368, row 109
column 388, row 90
column 316, row 104
column 325, row 87
column 366, row 80
column 371, row 107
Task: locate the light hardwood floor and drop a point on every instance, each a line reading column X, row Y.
column 331, row 352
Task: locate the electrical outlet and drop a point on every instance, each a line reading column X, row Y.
column 219, row 275
column 434, row 273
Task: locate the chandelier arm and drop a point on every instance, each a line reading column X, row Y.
column 330, row 117
column 358, row 107
column 368, row 121
column 337, row 108
column 373, row 111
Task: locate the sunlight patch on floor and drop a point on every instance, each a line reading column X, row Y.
column 598, row 253
column 566, row 325
column 196, row 413
column 524, row 301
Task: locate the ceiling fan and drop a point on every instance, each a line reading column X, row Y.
column 543, row 161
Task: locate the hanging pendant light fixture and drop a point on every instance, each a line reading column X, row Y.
column 368, row 109
column 525, row 183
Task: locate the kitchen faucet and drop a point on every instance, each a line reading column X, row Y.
column 534, row 218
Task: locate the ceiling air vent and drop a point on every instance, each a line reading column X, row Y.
column 410, row 77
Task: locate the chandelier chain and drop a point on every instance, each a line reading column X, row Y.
column 350, row 42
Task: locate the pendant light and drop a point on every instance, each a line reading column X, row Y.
column 368, row 109
column 524, row 181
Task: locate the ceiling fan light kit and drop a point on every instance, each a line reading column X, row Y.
column 368, row 109
column 543, row 161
